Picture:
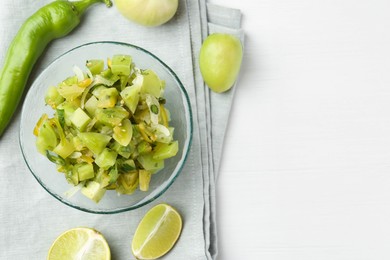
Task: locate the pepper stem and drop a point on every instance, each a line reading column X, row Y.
column 82, row 5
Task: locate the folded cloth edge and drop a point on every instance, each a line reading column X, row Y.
column 225, row 20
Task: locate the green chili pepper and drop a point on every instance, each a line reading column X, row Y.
column 52, row 21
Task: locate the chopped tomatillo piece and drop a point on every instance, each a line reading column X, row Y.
column 110, row 127
column 121, row 65
column 95, row 66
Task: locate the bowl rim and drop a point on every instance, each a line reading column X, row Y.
column 186, row 148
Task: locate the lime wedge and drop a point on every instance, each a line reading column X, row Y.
column 157, row 232
column 80, row 243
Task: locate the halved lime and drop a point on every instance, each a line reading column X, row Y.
column 157, row 232
column 80, row 243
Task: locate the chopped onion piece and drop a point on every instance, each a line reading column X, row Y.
column 75, row 155
column 84, row 96
column 154, row 108
column 79, row 73
column 89, row 73
column 162, row 129
column 72, row 191
column 87, row 89
column 100, row 80
column 139, row 78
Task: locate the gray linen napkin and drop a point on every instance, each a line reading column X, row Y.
column 213, row 109
column 31, row 219
column 220, row 20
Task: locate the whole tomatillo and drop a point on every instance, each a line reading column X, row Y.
column 220, row 61
column 147, row 12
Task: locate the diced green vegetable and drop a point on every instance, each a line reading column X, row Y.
column 151, row 83
column 95, row 142
column 107, row 97
column 144, row 147
column 93, row 191
column 130, row 96
column 95, row 66
column 64, row 149
column 123, row 132
column 69, row 81
column 106, row 73
column 53, row 98
column 91, row 105
column 113, row 174
column 69, row 109
column 46, row 139
column 102, row 178
column 150, row 164
column 60, row 113
column 106, row 77
column 111, row 116
column 80, row 119
column 70, row 92
column 127, row 166
column 121, row 65
column 124, row 80
column 55, row 158
column 72, row 175
column 124, row 151
column 163, row 151
column 77, row 143
column 85, row 171
column 96, row 91
column 127, row 182
column 106, row 158
column 144, row 179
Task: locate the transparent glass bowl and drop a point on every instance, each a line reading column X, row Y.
column 34, row 106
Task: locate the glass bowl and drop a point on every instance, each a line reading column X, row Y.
column 34, row 106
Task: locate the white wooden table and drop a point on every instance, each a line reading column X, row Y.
column 305, row 173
